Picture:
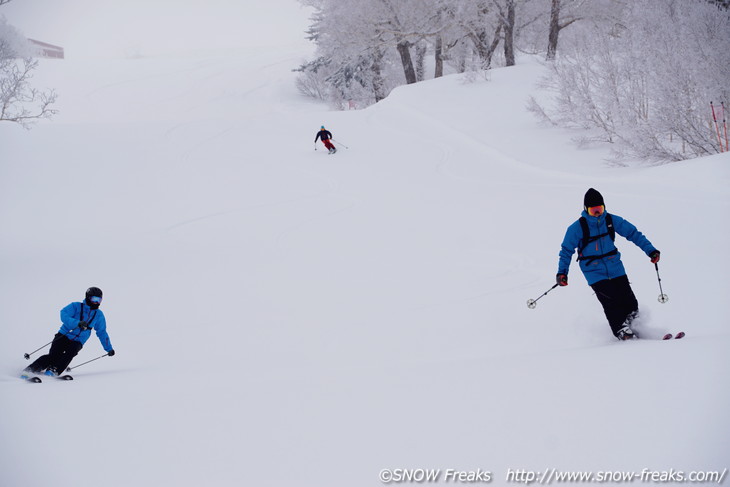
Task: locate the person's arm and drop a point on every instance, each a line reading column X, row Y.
column 101, row 334
column 629, row 231
column 567, row 248
column 70, row 318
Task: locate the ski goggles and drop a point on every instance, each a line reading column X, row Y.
column 95, row 299
column 596, row 210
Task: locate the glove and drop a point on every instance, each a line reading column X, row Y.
column 83, row 325
column 111, row 353
column 654, row 256
column 561, row 279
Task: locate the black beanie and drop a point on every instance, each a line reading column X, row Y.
column 592, row 198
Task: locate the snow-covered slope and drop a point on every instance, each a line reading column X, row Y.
column 285, row 317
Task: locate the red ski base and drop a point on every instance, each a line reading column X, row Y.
column 669, row 336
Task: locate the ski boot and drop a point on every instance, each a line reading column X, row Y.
column 631, row 317
column 626, row 333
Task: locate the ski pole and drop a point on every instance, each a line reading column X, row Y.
column 532, row 303
column 663, row 298
column 717, row 127
column 27, row 355
column 68, row 369
column 343, row 145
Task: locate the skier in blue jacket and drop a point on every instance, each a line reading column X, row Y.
column 78, row 319
column 601, row 263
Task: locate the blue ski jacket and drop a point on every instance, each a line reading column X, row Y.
column 610, row 266
column 94, row 318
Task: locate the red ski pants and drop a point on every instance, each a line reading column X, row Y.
column 328, row 144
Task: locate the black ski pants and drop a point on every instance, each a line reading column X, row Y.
column 62, row 352
column 617, row 299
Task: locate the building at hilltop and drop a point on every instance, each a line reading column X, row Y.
column 47, row 50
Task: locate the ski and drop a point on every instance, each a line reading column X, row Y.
column 37, row 380
column 669, row 336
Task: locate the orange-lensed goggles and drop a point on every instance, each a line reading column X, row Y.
column 596, row 210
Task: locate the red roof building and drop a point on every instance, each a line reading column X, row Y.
column 47, row 50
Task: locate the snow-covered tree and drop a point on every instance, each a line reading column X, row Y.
column 645, row 81
column 561, row 17
column 365, row 48
column 19, row 101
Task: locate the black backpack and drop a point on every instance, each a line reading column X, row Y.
column 588, row 239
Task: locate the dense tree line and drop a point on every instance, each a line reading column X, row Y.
column 644, row 82
column 640, row 73
column 365, row 48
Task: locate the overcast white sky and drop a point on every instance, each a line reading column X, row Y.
column 107, row 28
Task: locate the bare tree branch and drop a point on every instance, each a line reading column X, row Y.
column 19, row 101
